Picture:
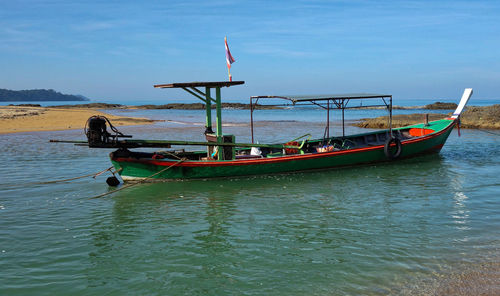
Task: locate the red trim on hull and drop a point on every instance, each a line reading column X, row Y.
column 299, row 157
column 437, row 147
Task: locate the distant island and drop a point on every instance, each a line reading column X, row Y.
column 37, row 95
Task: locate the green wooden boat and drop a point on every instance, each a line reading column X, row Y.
column 223, row 157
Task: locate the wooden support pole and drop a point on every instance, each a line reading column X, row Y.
column 251, row 117
column 191, row 92
column 328, row 119
column 201, row 93
column 208, row 108
column 343, row 119
column 390, row 116
column 219, row 122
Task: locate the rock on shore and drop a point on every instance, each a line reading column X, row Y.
column 201, row 106
column 441, row 106
column 397, row 120
column 178, row 106
column 486, row 117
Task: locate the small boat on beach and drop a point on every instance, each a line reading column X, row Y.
column 223, row 156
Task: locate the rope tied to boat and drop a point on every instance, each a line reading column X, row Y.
column 93, row 175
column 140, row 181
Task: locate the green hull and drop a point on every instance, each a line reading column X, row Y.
column 138, row 168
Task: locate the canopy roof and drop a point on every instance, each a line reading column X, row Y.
column 197, row 84
column 310, row 98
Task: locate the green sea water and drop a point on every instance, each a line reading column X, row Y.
column 425, row 225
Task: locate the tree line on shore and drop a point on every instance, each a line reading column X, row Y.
column 37, row 95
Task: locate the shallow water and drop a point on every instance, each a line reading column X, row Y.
column 415, row 226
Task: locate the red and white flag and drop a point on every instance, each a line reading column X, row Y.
column 229, row 59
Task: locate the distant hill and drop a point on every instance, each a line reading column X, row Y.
column 37, row 95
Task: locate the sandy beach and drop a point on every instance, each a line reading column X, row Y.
column 15, row 119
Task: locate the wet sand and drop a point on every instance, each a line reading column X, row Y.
column 466, row 279
column 15, row 119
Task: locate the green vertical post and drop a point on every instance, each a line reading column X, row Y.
column 219, row 122
column 208, row 106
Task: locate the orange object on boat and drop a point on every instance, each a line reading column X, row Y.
column 292, row 150
column 418, row 132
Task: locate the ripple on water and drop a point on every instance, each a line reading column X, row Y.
column 428, row 224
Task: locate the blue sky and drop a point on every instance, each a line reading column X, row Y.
column 116, row 50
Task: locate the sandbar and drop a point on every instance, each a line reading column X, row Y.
column 16, row 119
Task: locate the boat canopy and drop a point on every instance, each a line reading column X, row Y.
column 310, row 98
column 200, row 84
column 327, row 102
column 339, row 101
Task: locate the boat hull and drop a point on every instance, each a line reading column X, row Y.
column 172, row 169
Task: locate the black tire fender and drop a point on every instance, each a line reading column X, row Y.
column 389, row 152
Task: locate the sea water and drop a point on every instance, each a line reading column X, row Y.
column 424, row 225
